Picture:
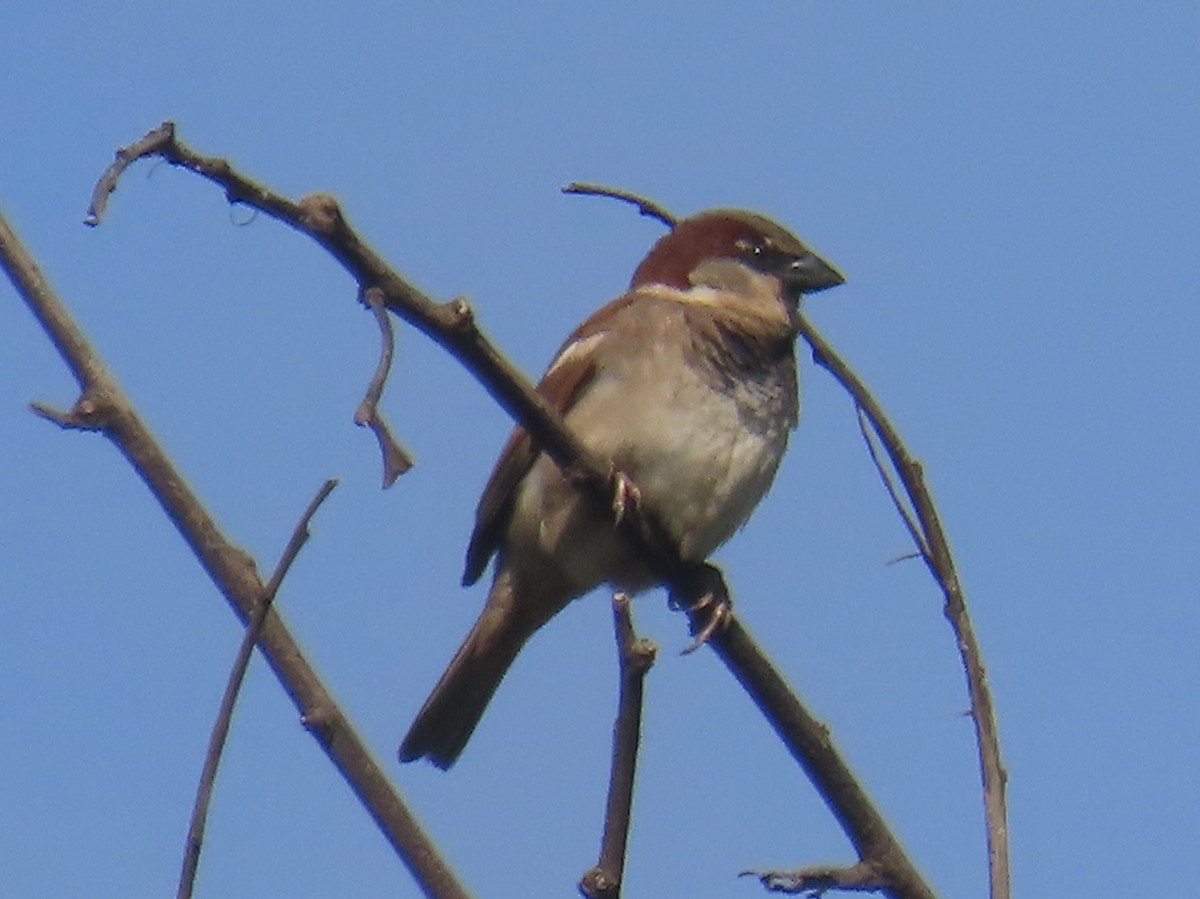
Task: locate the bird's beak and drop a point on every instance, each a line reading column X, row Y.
column 810, row 273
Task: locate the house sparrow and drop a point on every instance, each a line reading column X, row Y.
column 687, row 383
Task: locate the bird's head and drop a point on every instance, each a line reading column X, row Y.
column 710, row 247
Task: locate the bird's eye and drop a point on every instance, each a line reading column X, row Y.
column 753, row 247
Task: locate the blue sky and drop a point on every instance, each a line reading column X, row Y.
column 1013, row 194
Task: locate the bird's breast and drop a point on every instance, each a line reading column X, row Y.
column 700, row 439
column 702, row 450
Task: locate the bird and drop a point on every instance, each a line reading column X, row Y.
column 687, row 383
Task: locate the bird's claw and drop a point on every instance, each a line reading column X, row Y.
column 712, row 609
column 717, row 611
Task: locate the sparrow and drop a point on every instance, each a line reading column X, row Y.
column 687, row 383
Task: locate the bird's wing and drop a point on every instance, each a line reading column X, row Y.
column 573, row 369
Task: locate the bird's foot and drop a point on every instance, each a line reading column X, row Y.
column 707, row 603
column 717, row 612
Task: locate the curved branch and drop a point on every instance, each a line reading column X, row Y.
column 934, row 548
column 237, row 674
column 645, row 206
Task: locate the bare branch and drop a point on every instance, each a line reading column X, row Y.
column 216, row 742
column 396, row 460
column 450, row 324
column 983, row 714
column 635, row 658
column 233, row 571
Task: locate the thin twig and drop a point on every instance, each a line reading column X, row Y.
column 635, row 657
column 396, row 460
column 220, row 731
column 645, row 206
column 914, row 529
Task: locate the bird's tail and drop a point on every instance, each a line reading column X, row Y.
column 453, row 709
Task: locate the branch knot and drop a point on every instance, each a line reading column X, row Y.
column 321, row 213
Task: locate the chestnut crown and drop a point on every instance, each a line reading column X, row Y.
column 747, row 237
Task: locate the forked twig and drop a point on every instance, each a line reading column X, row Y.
column 396, row 461
column 906, row 515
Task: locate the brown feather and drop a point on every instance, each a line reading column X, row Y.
column 709, row 235
column 561, row 385
column 738, row 347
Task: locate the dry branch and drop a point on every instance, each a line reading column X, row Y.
column 644, row 206
column 103, row 406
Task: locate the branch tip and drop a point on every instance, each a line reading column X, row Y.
column 151, row 143
column 644, row 206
